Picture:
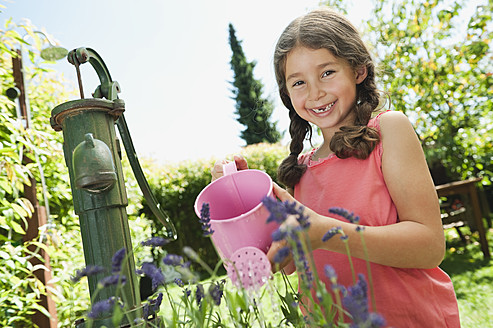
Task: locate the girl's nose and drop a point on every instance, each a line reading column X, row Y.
column 315, row 92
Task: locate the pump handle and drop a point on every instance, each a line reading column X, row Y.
column 108, row 89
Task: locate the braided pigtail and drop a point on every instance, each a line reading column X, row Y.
column 289, row 171
column 359, row 140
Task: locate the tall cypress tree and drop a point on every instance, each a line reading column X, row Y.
column 253, row 110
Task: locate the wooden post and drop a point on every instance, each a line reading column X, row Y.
column 38, row 218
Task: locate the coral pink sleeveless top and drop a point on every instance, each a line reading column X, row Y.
column 405, row 297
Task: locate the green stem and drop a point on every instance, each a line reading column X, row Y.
column 346, row 245
column 194, row 256
column 339, row 306
column 368, row 269
column 170, row 299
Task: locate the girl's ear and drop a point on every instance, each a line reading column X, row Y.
column 361, row 74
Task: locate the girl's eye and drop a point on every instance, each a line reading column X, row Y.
column 297, row 83
column 327, row 73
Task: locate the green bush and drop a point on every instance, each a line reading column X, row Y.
column 176, row 186
column 20, row 289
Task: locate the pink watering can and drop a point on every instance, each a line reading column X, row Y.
column 238, row 218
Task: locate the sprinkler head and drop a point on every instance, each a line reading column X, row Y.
column 53, row 53
column 12, row 93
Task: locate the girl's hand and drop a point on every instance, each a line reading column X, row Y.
column 217, row 170
column 287, row 264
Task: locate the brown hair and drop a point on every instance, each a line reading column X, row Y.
column 324, row 28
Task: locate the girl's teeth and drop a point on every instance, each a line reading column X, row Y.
column 322, row 110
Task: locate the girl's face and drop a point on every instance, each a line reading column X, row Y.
column 322, row 87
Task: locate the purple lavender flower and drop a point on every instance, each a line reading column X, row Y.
column 88, row 271
column 205, row 219
column 179, row 282
column 156, row 303
column 303, row 219
column 281, row 254
column 376, row 320
column 360, row 228
column 146, row 311
column 153, row 272
column 307, row 276
column 277, row 210
column 152, row 306
column 216, row 292
column 356, row 303
column 345, row 214
column 172, row 259
column 101, row 307
column 331, row 233
column 301, row 262
column 117, row 259
column 114, row 279
column 290, row 208
column 279, row 234
column 155, row 242
column 199, row 293
column 330, row 273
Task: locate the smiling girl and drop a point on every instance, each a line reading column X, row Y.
column 370, row 162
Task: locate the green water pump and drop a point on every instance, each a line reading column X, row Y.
column 93, row 157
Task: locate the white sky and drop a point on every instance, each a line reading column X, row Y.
column 171, row 59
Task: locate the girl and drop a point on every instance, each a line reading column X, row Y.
column 369, row 163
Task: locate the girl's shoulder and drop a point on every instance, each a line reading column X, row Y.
column 393, row 121
column 388, row 118
column 398, row 134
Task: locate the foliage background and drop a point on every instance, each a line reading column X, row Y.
column 438, row 67
column 19, row 286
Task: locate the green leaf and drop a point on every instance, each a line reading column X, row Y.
column 4, row 255
column 5, row 185
column 26, row 205
column 17, row 227
column 40, row 245
column 20, row 210
column 41, row 309
column 117, row 317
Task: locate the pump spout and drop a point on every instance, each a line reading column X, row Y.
column 93, row 165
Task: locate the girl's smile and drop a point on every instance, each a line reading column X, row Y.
column 324, row 109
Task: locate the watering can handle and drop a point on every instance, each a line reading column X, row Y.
column 229, row 168
column 109, row 89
